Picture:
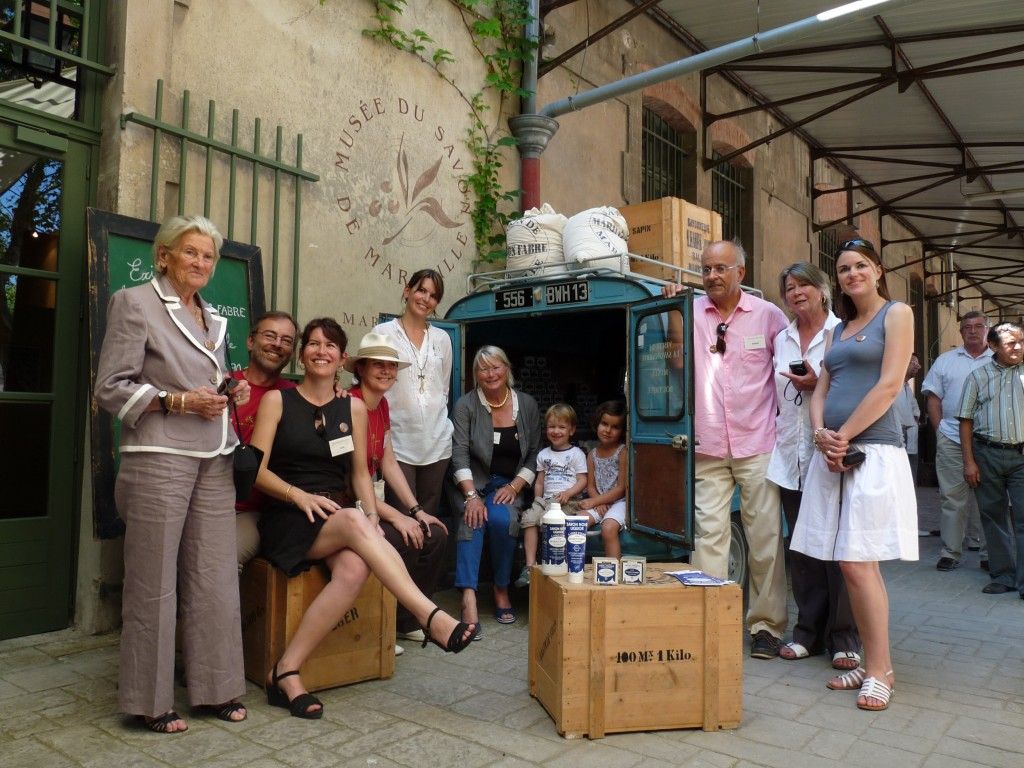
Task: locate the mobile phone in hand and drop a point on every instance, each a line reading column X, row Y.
column 853, row 458
column 226, row 386
column 797, row 368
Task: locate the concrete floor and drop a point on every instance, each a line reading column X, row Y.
column 959, row 659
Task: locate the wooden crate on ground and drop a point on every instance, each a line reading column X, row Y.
column 672, row 231
column 608, row 659
column 360, row 647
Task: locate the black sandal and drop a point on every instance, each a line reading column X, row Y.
column 226, row 710
column 457, row 640
column 160, row 724
column 299, row 706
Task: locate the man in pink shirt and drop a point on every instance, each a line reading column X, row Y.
column 734, row 425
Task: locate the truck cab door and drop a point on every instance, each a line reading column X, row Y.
column 661, row 418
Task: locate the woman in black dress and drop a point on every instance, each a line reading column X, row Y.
column 322, row 507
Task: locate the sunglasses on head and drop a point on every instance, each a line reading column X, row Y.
column 857, row 242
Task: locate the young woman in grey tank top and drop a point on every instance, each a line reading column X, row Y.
column 859, row 515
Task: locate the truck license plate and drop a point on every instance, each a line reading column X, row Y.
column 513, row 298
column 574, row 292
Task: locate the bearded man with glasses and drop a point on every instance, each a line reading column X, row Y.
column 271, row 343
column 734, row 425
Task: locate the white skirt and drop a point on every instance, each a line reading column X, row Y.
column 868, row 513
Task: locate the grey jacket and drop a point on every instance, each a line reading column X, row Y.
column 473, row 443
column 151, row 344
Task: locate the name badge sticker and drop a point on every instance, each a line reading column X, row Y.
column 341, row 445
column 497, row 437
column 754, row 342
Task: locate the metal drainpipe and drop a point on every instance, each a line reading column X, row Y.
column 534, row 130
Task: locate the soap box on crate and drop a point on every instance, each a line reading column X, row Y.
column 672, row 231
column 609, row 659
column 360, row 647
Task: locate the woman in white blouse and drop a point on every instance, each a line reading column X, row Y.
column 421, row 433
column 824, row 619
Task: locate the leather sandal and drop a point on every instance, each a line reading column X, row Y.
column 226, row 710
column 297, row 707
column 873, row 688
column 160, row 724
column 457, row 640
column 845, row 660
column 793, row 650
column 849, row 681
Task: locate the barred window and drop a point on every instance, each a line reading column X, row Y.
column 729, row 197
column 828, row 242
column 663, row 158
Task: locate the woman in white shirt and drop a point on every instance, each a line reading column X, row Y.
column 824, row 619
column 421, row 433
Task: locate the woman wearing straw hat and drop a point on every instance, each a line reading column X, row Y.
column 418, row 536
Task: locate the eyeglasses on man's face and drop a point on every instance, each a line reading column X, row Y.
column 273, row 338
column 717, row 269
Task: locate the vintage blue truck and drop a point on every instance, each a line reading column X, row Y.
column 588, row 334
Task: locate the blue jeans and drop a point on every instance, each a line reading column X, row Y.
column 502, row 544
column 1002, row 474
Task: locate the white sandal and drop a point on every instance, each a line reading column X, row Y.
column 873, row 688
column 849, row 681
column 840, row 656
column 799, row 651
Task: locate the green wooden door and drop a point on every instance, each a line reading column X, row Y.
column 43, row 195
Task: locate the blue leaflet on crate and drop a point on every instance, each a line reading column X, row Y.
column 698, row 579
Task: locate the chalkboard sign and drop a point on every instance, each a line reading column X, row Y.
column 121, row 256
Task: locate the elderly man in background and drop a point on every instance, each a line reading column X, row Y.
column 734, row 423
column 991, row 415
column 943, row 386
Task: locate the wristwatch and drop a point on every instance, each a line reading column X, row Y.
column 470, row 496
column 162, row 397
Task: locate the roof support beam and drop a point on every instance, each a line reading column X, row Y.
column 713, row 118
column 606, row 30
column 709, row 163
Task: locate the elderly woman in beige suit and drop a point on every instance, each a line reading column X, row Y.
column 160, row 368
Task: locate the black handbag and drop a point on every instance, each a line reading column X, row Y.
column 246, row 464
column 246, row 459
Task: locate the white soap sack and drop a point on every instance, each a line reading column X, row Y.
column 533, row 244
column 597, row 235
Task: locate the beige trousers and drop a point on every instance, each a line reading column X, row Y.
column 179, row 556
column 762, row 522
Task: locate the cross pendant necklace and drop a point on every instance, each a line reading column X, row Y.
column 422, row 369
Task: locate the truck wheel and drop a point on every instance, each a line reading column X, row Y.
column 738, row 552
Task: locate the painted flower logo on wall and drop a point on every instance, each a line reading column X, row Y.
column 413, row 211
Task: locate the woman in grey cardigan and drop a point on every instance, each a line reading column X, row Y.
column 494, row 451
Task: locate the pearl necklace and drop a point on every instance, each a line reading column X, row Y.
column 508, row 394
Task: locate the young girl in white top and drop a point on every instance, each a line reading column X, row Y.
column 607, row 475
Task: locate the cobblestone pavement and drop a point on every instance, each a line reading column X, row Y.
column 959, row 660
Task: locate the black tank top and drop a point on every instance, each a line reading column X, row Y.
column 301, row 455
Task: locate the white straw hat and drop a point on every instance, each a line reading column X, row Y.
column 375, row 346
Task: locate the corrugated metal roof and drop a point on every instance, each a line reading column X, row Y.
column 985, row 104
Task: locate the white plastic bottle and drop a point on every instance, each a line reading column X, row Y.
column 553, row 531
